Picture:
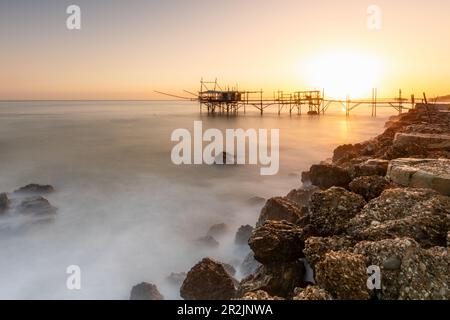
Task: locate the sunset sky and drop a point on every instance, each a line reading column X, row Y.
column 128, row 49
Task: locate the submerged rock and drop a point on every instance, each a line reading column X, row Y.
column 280, row 209
column 176, row 279
column 243, row 235
column 36, row 189
column 208, row 280
column 343, row 275
column 369, row 187
column 225, row 158
column 409, row 271
column 421, row 214
column 36, row 205
column 207, row 242
column 331, row 210
column 421, row 173
column 277, row 241
column 218, row 230
column 4, row 202
column 326, row 176
column 145, row 291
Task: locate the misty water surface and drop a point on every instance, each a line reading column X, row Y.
column 126, row 214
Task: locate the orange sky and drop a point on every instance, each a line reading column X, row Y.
column 126, row 50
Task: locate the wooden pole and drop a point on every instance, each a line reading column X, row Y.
column 261, row 102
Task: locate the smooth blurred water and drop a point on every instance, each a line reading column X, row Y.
column 126, row 213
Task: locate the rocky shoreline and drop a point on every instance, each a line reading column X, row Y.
column 379, row 205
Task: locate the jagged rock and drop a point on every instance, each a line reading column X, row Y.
column 229, row 269
column 208, row 242
column 370, row 187
column 371, row 167
column 346, row 152
column 277, row 279
column 302, row 196
column 36, row 189
column 332, row 209
column 249, row 265
column 406, row 151
column 279, row 209
column 421, row 214
column 408, row 271
column 4, row 202
column 277, row 241
column 317, row 247
column 326, row 176
column 243, row 235
column 343, row 275
column 218, row 230
column 312, row 293
column 36, row 205
column 145, row 291
column 176, row 279
column 259, row 295
column 421, row 173
column 208, row 280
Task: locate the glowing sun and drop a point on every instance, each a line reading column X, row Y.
column 342, row 74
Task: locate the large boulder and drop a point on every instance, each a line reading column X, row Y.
column 36, row 205
column 145, row 291
column 346, row 152
column 343, row 275
column 243, row 235
column 371, row 167
column 326, row 176
column 369, row 187
column 317, row 247
column 421, row 173
column 302, row 196
column 208, row 280
column 34, row 188
column 278, row 209
column 430, row 141
column 277, row 279
column 332, row 209
column 4, row 202
column 421, row 214
column 278, row 241
column 408, row 271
